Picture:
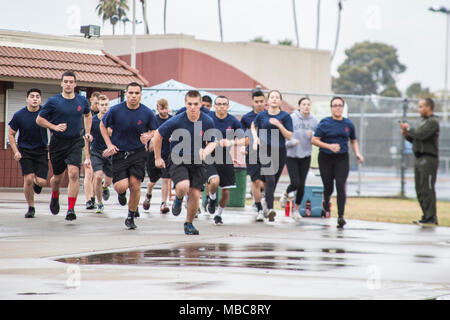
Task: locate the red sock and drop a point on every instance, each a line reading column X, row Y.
column 72, row 201
column 55, row 194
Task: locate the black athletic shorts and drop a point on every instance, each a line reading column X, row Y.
column 129, row 163
column 225, row 172
column 155, row 173
column 34, row 161
column 195, row 173
column 100, row 163
column 254, row 170
column 64, row 152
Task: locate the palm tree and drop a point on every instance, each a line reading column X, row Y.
column 105, row 9
column 295, row 23
column 338, row 28
column 144, row 15
column 318, row 24
column 112, row 10
column 165, row 15
column 220, row 21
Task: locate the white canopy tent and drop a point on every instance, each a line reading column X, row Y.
column 174, row 92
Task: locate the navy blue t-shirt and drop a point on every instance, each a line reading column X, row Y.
column 202, row 109
column 128, row 125
column 31, row 136
column 98, row 143
column 58, row 110
column 247, row 120
column 181, row 121
column 165, row 148
column 226, row 125
column 335, row 131
column 262, row 122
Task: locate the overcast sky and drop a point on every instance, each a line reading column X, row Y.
column 418, row 34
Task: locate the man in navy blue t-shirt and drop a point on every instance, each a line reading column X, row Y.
column 132, row 126
column 153, row 172
column 221, row 172
column 95, row 161
column 31, row 147
column 254, row 165
column 191, row 143
column 63, row 114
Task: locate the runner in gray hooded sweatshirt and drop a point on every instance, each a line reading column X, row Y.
column 299, row 150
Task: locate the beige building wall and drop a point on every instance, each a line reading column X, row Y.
column 283, row 67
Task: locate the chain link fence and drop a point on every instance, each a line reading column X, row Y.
column 388, row 158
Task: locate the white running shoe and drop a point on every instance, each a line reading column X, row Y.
column 260, row 216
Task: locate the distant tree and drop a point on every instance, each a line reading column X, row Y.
column 415, row 90
column 259, row 40
column 391, row 90
column 144, row 15
column 370, row 68
column 285, row 42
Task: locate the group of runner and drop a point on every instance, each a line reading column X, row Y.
column 194, row 149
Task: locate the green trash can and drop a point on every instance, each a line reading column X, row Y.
column 237, row 195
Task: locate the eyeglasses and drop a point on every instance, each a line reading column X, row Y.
column 337, row 106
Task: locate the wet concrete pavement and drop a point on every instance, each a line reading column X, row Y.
column 95, row 257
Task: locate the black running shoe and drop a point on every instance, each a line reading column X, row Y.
column 54, row 206
column 422, row 221
column 212, row 206
column 129, row 222
column 176, row 206
column 37, row 189
column 218, row 220
column 341, row 222
column 71, row 215
column 146, row 203
column 136, row 213
column 30, row 213
column 122, row 197
column 205, row 204
column 190, row 229
column 90, row 205
column 105, row 193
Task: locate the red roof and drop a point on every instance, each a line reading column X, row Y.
column 101, row 68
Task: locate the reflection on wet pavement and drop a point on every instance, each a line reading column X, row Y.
column 258, row 255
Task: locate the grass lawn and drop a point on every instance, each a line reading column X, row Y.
column 385, row 210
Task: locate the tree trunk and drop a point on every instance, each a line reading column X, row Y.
column 144, row 16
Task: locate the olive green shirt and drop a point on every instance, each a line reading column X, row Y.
column 425, row 137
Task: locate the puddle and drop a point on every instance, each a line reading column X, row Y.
column 35, row 293
column 258, row 255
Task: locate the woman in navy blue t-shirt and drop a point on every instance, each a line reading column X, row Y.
column 278, row 128
column 331, row 136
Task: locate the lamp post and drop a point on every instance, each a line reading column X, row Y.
column 447, row 12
